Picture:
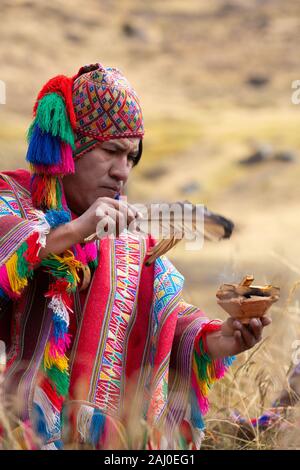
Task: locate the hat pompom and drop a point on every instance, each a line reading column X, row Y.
column 44, row 148
column 62, row 85
column 50, row 136
column 51, row 117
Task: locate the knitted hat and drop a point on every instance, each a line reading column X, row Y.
column 72, row 115
column 106, row 107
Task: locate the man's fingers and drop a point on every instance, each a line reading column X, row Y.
column 122, row 206
column 122, row 216
column 256, row 327
column 266, row 321
column 238, row 337
column 248, row 337
column 105, row 226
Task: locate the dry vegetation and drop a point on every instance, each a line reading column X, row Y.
column 193, row 64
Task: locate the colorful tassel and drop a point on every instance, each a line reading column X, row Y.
column 65, row 167
column 44, row 148
column 59, row 379
column 56, row 218
column 2, row 293
column 61, row 362
column 91, row 252
column 51, row 117
column 205, row 372
column 39, row 423
column 47, row 387
column 59, row 345
column 64, row 267
column 14, row 274
column 97, row 427
column 43, row 190
column 62, row 85
column 5, row 284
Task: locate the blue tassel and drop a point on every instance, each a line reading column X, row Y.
column 228, row 360
column 196, row 415
column 59, row 327
column 59, row 445
column 56, row 218
column 3, row 295
column 39, row 423
column 43, row 149
column 97, row 427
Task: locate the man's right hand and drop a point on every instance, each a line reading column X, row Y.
column 118, row 213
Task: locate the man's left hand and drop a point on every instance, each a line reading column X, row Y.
column 234, row 337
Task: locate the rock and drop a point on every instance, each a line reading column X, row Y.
column 73, row 37
column 190, row 188
column 264, row 152
column 285, row 156
column 132, row 31
column 257, row 81
column 155, row 173
column 229, row 9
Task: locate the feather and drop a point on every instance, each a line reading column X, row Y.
column 188, row 216
column 215, row 227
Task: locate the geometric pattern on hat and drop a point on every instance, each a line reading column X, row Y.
column 106, row 107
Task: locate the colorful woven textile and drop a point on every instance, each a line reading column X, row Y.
column 132, row 344
column 106, row 107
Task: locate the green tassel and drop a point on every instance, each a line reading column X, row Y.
column 93, row 264
column 22, row 264
column 59, row 270
column 30, row 130
column 52, row 117
column 182, row 442
column 202, row 363
column 59, row 195
column 60, row 380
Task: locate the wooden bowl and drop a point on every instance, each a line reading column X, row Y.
column 243, row 301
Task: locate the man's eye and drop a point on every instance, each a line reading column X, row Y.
column 110, row 151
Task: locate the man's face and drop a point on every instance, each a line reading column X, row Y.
column 102, row 172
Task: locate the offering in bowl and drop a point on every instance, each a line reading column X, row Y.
column 244, row 301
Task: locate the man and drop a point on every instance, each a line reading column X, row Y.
column 92, row 333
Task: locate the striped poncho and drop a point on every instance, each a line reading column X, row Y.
column 129, row 370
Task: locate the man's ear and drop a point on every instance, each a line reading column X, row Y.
column 139, row 152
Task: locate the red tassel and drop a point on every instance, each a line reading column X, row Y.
column 38, row 189
column 186, row 431
column 214, row 325
column 56, row 400
column 31, row 254
column 65, row 167
column 64, row 86
column 59, row 288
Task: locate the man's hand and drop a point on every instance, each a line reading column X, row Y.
column 117, row 213
column 105, row 209
column 234, row 337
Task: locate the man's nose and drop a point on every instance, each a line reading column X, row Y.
column 120, row 169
